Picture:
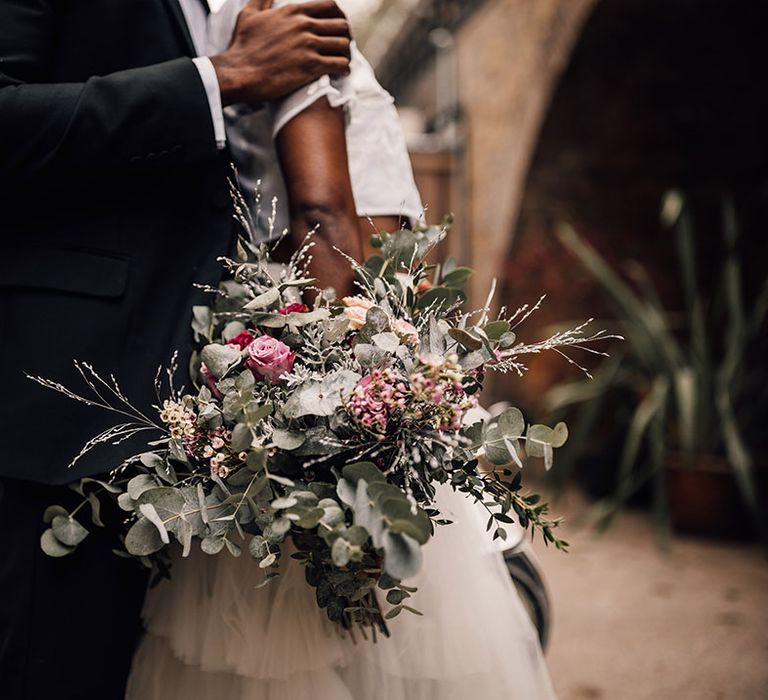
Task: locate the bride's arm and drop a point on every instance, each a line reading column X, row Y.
column 313, row 156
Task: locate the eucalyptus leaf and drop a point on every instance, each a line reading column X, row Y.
column 257, row 547
column 125, row 502
column 287, row 440
column 284, row 503
column 387, row 341
column 232, row 548
column 466, row 339
column 298, row 319
column 495, row 330
column 472, row 360
column 52, row 547
column 368, row 355
column 139, row 484
column 267, row 561
column 402, row 556
column 212, row 545
column 241, row 437
column 376, row 321
column 167, row 502
column 149, row 512
column 346, row 491
column 341, row 552
column 232, row 329
column 95, row 503
column 68, row 531
column 366, row 471
column 201, row 322
column 309, row 517
column 52, row 511
column 507, row 340
column 496, row 449
column 268, row 320
column 540, row 436
column 219, row 358
column 143, row 539
column 321, row 398
column 264, row 300
column 511, row 423
column 458, row 277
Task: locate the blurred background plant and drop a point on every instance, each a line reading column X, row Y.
column 695, row 381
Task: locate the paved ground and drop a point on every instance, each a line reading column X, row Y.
column 632, row 623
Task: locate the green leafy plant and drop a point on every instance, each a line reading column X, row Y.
column 692, row 378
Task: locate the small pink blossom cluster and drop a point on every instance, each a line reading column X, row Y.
column 438, row 392
column 433, row 396
column 217, row 451
column 377, row 398
column 214, row 447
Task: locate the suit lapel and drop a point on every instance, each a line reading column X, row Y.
column 180, row 23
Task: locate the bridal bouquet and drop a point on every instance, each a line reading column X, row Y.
column 330, row 426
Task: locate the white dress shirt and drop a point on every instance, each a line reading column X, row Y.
column 197, row 23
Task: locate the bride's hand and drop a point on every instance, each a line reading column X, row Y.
column 275, row 51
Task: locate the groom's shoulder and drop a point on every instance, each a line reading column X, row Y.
column 72, row 40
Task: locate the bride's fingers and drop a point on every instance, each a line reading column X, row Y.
column 322, row 9
column 261, row 4
column 333, row 46
column 331, row 27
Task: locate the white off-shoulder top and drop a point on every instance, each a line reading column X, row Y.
column 379, row 166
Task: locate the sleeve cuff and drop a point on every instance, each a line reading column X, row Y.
column 211, row 85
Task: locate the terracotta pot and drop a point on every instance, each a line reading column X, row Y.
column 704, row 498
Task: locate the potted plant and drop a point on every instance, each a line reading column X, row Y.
column 697, row 380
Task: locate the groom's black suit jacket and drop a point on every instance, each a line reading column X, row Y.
column 113, row 202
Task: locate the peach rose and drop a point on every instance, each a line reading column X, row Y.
column 356, row 311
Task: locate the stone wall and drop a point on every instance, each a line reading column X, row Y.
column 510, row 54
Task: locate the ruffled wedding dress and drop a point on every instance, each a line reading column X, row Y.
column 213, row 635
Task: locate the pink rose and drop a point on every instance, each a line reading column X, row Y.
column 293, row 309
column 406, row 331
column 210, row 381
column 269, row 358
column 356, row 311
column 241, row 341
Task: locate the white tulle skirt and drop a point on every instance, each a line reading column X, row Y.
column 213, row 635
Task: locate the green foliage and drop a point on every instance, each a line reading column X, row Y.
column 691, row 383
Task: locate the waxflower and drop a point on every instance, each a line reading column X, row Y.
column 376, row 399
